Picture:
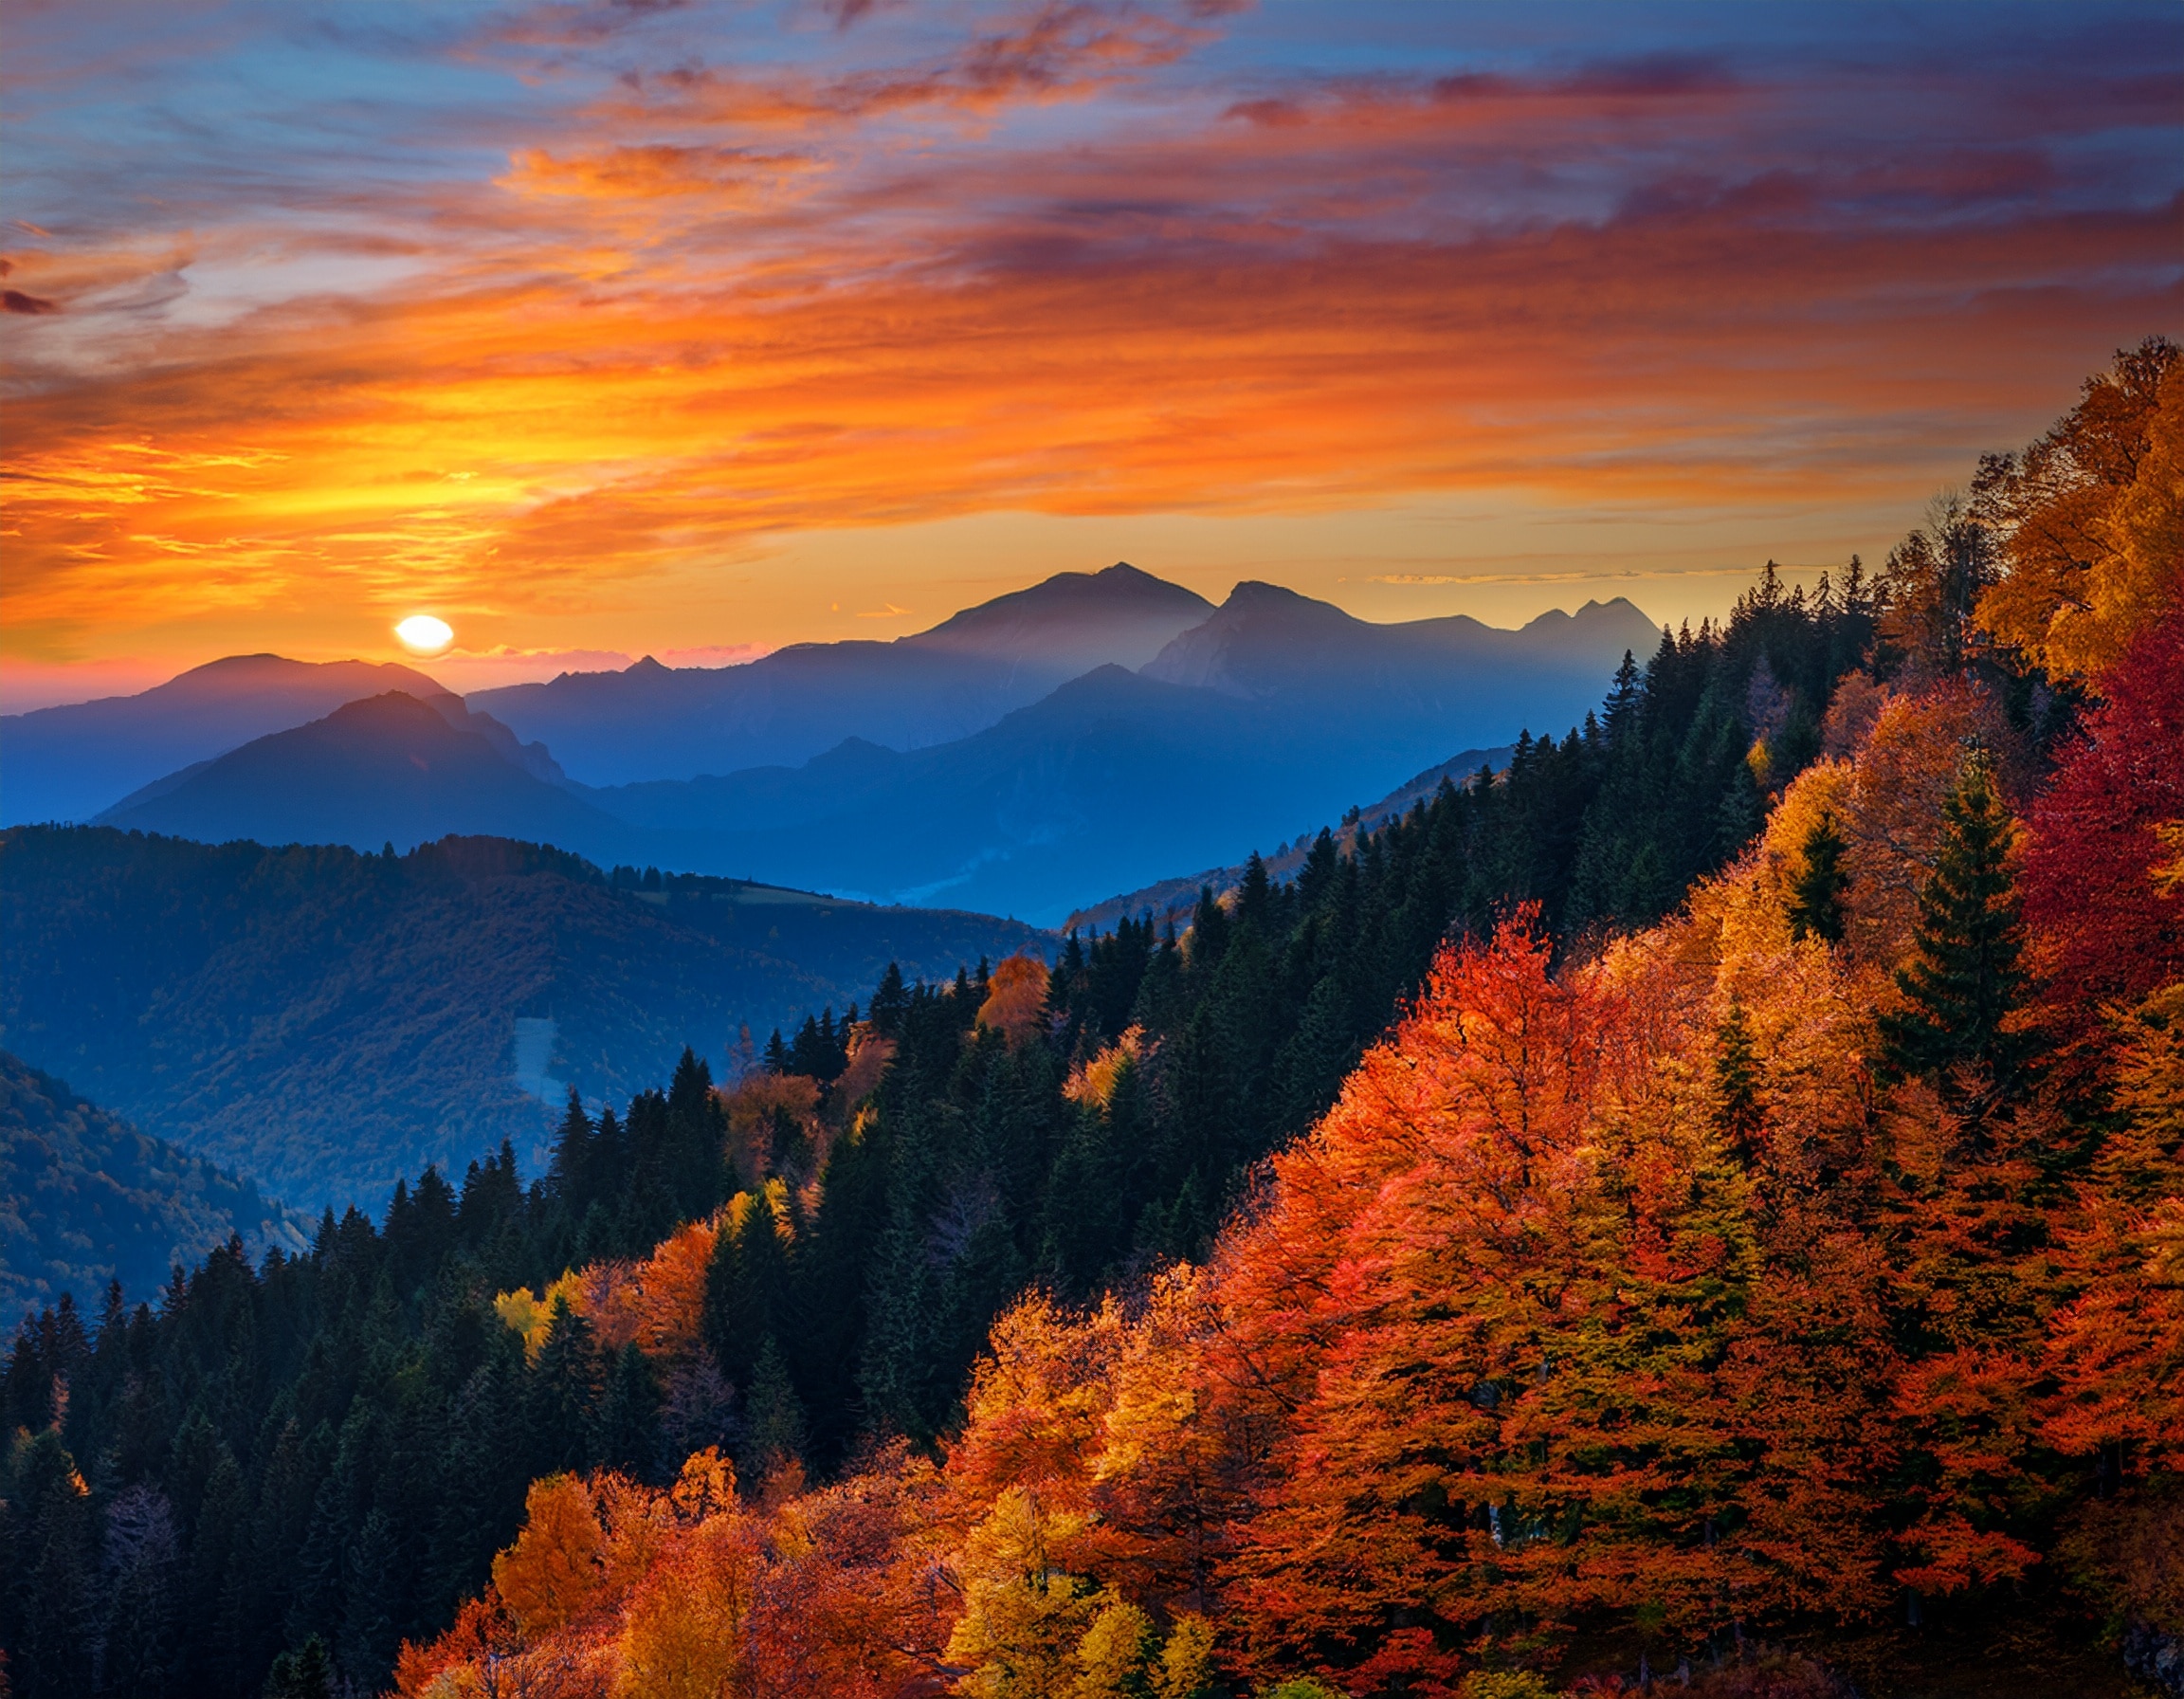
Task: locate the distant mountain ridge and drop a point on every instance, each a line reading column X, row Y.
column 1271, row 709
column 651, row 722
column 1172, row 899
column 1268, row 644
column 386, row 769
column 68, row 763
column 1267, row 713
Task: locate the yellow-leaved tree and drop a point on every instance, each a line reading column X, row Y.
column 2090, row 518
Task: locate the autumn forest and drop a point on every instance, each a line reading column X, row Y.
column 1702, row 1205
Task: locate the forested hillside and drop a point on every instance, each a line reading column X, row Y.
column 1754, row 1254
column 86, row 1199
column 323, row 1021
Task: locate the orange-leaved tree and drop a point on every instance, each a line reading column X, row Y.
column 1493, row 1289
column 2090, row 518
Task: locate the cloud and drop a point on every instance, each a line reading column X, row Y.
column 1068, row 260
column 1037, row 53
column 14, row 300
column 648, row 170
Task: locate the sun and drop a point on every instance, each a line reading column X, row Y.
column 424, row 635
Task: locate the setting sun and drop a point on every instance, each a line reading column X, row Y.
column 424, row 635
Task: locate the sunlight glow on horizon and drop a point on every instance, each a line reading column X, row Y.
column 569, row 322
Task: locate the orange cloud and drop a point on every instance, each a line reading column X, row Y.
column 647, row 172
column 658, row 337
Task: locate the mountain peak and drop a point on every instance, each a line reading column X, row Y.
column 389, row 707
column 1071, row 622
column 1254, row 596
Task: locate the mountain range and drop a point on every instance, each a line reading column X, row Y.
column 651, row 722
column 1270, row 713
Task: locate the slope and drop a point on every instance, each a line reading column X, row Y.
column 386, row 769
column 85, row 1198
column 325, row 1020
column 1172, row 899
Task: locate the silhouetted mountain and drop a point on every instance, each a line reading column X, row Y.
column 1270, row 715
column 324, row 1020
column 652, row 722
column 85, row 1198
column 1408, row 691
column 386, row 769
column 68, row 763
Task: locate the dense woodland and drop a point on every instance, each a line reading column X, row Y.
column 85, row 1198
column 1706, row 1199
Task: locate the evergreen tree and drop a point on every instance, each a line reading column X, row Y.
column 889, row 1003
column 773, row 1425
column 1740, row 1114
column 746, row 1286
column 370, row 1610
column 630, row 1416
column 1964, row 980
column 45, row 1570
column 1816, row 893
column 570, row 1177
column 304, row 1673
column 564, row 1394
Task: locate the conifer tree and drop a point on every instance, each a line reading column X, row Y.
column 630, row 1416
column 304, row 1673
column 773, row 1425
column 1964, row 979
column 1740, row 1115
column 1816, row 892
column 889, row 1002
column 564, row 1392
column 570, row 1176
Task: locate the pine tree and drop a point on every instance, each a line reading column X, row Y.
column 564, row 1392
column 630, row 1416
column 570, row 1176
column 303, row 1674
column 1741, row 1115
column 1816, row 893
column 773, row 1423
column 1964, row 980
column 889, row 1003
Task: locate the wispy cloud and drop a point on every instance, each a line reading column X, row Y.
column 602, row 293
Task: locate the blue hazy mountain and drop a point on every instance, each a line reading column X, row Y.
column 1405, row 686
column 647, row 721
column 1273, row 714
column 653, row 722
column 323, row 1020
column 386, row 769
column 68, row 763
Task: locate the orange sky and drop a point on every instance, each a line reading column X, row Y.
column 629, row 329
